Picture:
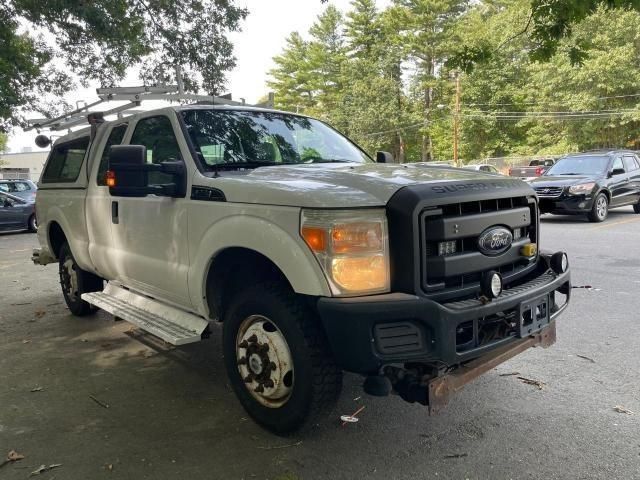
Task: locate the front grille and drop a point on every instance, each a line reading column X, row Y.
column 458, row 273
column 548, row 192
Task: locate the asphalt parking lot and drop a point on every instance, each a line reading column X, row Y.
column 171, row 413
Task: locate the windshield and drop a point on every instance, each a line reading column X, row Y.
column 587, row 165
column 246, row 138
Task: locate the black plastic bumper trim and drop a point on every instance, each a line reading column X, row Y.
column 349, row 322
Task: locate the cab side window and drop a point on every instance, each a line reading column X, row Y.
column 156, row 133
column 115, row 138
column 617, row 164
column 65, row 161
column 630, row 163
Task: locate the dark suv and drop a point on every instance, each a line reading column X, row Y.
column 590, row 183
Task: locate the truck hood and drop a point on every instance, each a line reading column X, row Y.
column 561, row 180
column 338, row 185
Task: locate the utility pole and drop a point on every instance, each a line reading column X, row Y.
column 456, row 123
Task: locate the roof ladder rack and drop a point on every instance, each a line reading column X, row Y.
column 133, row 96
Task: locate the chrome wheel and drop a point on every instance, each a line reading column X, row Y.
column 69, row 278
column 264, row 361
column 601, row 207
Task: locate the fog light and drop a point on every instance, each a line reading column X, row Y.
column 529, row 250
column 491, row 284
column 446, row 248
column 559, row 262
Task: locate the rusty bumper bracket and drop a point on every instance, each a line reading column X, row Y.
column 441, row 389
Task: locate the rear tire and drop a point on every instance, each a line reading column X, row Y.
column 636, row 207
column 278, row 360
column 600, row 209
column 75, row 281
column 32, row 224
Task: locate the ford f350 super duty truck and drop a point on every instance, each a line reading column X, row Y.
column 313, row 258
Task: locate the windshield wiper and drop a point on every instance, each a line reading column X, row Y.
column 234, row 165
column 332, row 160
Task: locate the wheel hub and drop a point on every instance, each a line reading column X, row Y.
column 264, row 361
column 255, row 364
column 69, row 278
column 601, row 207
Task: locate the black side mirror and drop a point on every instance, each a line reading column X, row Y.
column 128, row 174
column 617, row 171
column 384, row 157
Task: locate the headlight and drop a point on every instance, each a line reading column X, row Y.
column 352, row 247
column 582, row 188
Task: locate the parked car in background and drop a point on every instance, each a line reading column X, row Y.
column 533, row 170
column 482, row 167
column 591, row 184
column 16, row 213
column 24, row 189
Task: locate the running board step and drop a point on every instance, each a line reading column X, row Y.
column 171, row 324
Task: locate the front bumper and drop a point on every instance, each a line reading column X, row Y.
column 366, row 333
column 566, row 204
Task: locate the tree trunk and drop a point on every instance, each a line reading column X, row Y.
column 427, row 145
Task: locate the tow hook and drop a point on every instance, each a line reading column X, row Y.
column 411, row 385
column 406, row 383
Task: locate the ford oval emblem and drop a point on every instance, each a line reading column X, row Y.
column 494, row 241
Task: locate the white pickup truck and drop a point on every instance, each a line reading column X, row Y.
column 312, row 257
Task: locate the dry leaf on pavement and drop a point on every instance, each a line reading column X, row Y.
column 44, row 468
column 621, row 409
column 530, row 381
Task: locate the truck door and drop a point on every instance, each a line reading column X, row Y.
column 150, row 233
column 99, row 205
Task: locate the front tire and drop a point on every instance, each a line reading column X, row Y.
column 600, row 209
column 636, row 207
column 278, row 359
column 75, row 281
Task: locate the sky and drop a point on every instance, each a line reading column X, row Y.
column 262, row 37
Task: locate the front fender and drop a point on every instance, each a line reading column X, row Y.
column 290, row 254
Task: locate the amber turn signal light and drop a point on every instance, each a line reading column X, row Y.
column 110, row 178
column 315, row 237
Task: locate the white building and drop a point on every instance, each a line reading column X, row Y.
column 22, row 165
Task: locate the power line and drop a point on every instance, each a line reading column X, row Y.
column 513, row 116
column 562, row 112
column 632, row 95
column 593, row 116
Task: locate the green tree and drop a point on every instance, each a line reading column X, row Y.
column 327, row 56
column 99, row 40
column 551, row 21
column 426, row 28
column 375, row 102
column 291, row 77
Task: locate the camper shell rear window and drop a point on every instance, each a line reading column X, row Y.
column 65, row 161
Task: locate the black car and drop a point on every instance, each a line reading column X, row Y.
column 17, row 214
column 590, row 183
